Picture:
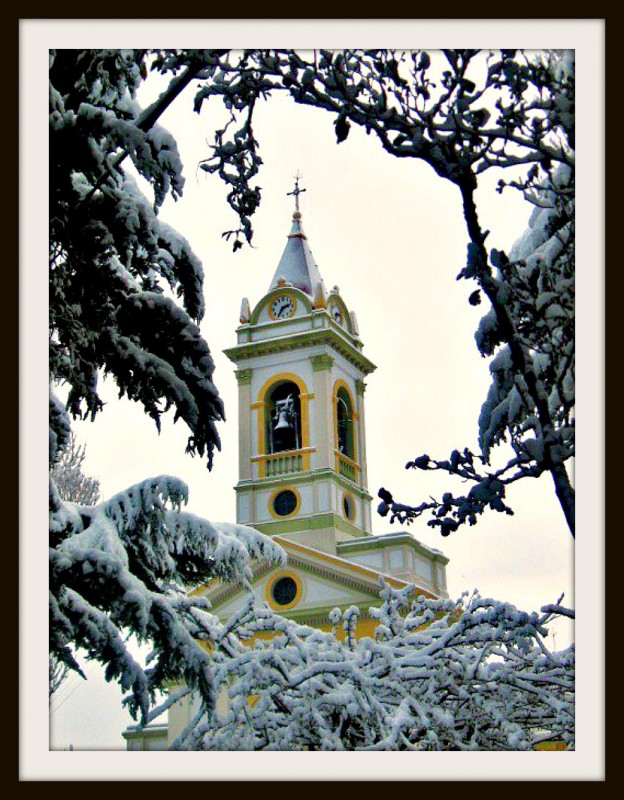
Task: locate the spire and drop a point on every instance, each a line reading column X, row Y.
column 297, row 265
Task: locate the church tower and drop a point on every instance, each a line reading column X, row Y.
column 301, row 372
column 302, row 467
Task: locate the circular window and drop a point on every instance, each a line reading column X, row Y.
column 285, row 503
column 348, row 506
column 284, row 591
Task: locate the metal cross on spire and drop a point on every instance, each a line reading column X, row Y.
column 296, row 191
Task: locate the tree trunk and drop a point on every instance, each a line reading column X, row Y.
column 565, row 494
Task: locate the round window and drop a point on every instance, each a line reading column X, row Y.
column 285, row 503
column 284, row 591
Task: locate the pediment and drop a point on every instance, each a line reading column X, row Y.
column 323, row 581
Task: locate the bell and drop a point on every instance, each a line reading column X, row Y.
column 282, row 421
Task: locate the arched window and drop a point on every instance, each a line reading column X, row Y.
column 283, row 418
column 344, row 418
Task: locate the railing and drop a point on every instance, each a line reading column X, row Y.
column 346, row 467
column 283, row 464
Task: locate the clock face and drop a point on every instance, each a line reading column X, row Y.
column 336, row 313
column 282, row 307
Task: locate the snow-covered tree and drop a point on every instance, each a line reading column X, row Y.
column 123, row 567
column 463, row 112
column 537, row 281
column 71, row 482
column 111, row 258
column 59, row 672
column 126, row 300
column 473, row 674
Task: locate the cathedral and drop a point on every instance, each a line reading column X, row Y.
column 302, row 480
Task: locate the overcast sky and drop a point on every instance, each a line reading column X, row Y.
column 390, row 234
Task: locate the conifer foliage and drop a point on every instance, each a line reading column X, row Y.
column 126, row 299
column 111, row 258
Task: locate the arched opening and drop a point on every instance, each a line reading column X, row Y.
column 344, row 418
column 348, row 506
column 283, row 418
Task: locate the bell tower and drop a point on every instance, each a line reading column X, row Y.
column 302, row 465
column 300, row 372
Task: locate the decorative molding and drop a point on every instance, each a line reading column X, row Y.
column 348, row 581
column 297, row 341
column 224, row 591
column 322, row 362
column 324, row 473
column 243, row 376
column 360, row 387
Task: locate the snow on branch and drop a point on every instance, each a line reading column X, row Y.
column 124, row 567
column 471, row 674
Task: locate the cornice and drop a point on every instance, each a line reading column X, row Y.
column 334, row 576
column 334, row 573
column 296, row 341
column 378, row 542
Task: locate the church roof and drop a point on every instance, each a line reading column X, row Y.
column 297, row 265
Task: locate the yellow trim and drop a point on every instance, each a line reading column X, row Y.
column 274, row 579
column 299, row 452
column 304, row 399
column 550, row 746
column 363, row 627
column 260, row 421
column 341, row 457
column 351, row 501
column 341, row 384
column 274, row 494
column 281, row 377
column 282, row 293
column 337, row 300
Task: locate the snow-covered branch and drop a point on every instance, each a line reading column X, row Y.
column 473, row 674
column 123, row 567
